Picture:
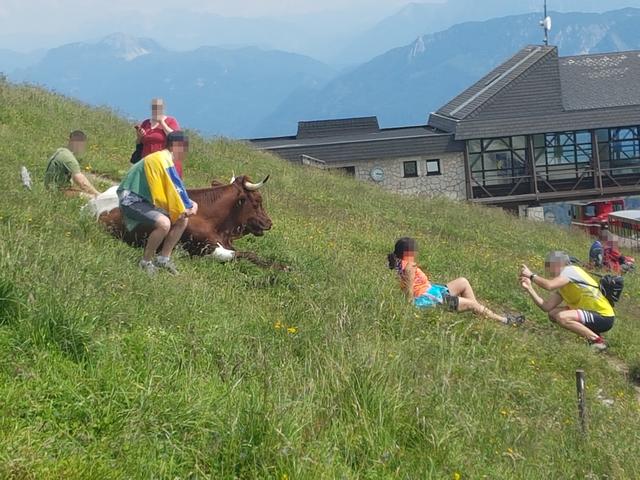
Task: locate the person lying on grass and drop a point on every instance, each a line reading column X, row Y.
column 587, row 312
column 63, row 170
column 457, row 294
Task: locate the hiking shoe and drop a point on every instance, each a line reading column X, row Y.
column 514, row 319
column 598, row 345
column 167, row 265
column 148, row 267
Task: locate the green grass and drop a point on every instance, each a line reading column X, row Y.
column 231, row 371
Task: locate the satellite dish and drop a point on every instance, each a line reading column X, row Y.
column 547, row 24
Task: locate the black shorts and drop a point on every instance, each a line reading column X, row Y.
column 595, row 322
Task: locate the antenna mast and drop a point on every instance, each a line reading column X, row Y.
column 546, row 24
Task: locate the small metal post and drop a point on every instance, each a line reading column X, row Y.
column 546, row 31
column 582, row 409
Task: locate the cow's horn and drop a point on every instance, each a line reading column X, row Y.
column 255, row 186
column 233, row 176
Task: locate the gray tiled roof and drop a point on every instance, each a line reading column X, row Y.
column 385, row 143
column 544, row 93
column 343, row 126
column 575, row 120
column 600, row 81
column 491, row 84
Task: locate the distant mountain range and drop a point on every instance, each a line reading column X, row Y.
column 343, row 37
column 402, row 86
column 423, row 18
column 251, row 92
column 321, row 35
column 215, row 90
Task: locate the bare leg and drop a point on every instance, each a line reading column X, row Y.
column 161, row 230
column 465, row 305
column 171, row 240
column 460, row 287
column 570, row 319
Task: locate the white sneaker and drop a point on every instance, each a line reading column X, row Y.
column 598, row 345
column 148, row 267
column 167, row 265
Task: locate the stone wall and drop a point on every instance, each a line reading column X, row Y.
column 450, row 183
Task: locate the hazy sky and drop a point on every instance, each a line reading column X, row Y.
column 28, row 24
column 22, row 11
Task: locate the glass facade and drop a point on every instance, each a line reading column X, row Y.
column 498, row 161
column 619, row 150
column 563, row 161
column 561, row 156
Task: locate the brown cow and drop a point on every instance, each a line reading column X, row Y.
column 226, row 212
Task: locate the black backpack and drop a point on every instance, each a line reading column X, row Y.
column 610, row 285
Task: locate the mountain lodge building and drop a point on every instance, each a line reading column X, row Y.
column 538, row 128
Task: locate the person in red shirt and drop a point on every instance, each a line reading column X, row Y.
column 152, row 133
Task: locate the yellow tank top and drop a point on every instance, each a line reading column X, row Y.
column 420, row 282
column 584, row 297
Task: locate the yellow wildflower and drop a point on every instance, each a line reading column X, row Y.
column 277, row 325
column 456, row 476
column 292, row 330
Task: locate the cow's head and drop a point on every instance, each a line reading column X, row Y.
column 247, row 211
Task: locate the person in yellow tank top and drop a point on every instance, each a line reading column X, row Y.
column 586, row 311
column 458, row 294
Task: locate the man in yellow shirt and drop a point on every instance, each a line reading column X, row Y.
column 587, row 311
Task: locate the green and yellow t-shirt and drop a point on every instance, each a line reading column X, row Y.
column 62, row 165
column 584, row 297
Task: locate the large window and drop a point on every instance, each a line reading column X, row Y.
column 498, row 161
column 619, row 149
column 562, row 155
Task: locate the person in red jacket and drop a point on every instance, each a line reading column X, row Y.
column 152, row 133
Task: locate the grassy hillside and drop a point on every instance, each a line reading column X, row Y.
column 231, row 371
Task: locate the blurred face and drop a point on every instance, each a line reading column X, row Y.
column 410, row 253
column 157, row 108
column 179, row 150
column 554, row 268
column 77, row 146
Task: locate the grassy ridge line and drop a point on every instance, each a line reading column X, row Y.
column 106, row 374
